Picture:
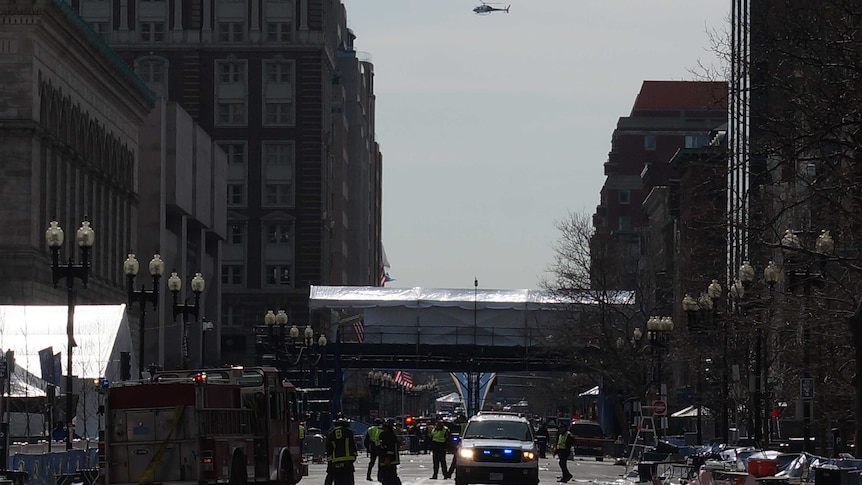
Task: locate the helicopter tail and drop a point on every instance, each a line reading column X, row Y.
column 507, row 8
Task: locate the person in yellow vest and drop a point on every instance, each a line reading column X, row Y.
column 439, row 441
column 565, row 444
column 389, row 455
column 372, row 443
column 340, row 453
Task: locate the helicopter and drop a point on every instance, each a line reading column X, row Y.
column 486, row 8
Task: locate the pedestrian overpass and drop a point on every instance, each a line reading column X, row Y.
column 455, row 330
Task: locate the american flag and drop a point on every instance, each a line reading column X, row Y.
column 359, row 328
column 403, row 378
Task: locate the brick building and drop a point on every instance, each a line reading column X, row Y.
column 275, row 84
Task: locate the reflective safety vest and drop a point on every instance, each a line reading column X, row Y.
column 562, row 439
column 301, row 432
column 439, row 435
column 340, row 445
column 373, row 434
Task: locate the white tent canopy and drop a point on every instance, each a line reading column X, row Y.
column 441, row 316
column 594, row 391
column 690, row 412
column 101, row 333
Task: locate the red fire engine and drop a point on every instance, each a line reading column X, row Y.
column 231, row 425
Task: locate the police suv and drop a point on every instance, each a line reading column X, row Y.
column 497, row 448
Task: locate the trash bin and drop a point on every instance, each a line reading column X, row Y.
column 833, row 475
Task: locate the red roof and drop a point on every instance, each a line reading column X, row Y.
column 682, row 95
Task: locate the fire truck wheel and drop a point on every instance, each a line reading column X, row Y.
column 238, row 473
column 286, row 474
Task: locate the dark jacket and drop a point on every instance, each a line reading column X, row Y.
column 389, row 447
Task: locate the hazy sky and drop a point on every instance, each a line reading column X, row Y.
column 493, row 128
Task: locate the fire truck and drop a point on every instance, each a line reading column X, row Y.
column 232, row 425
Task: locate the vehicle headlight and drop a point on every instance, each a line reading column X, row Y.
column 466, row 453
column 529, row 455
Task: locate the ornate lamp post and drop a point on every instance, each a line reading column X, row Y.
column 297, row 347
column 143, row 296
column 85, row 238
column 691, row 307
column 175, row 284
column 713, row 291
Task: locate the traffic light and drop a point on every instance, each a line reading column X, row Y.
column 125, row 366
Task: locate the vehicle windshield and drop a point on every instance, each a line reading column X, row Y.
column 505, row 430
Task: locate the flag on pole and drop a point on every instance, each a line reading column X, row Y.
column 403, row 378
column 384, row 268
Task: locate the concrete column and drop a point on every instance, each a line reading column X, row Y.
column 303, row 14
column 206, row 30
column 178, row 20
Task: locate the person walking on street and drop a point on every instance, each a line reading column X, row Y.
column 372, row 442
column 565, row 443
column 542, row 437
column 439, row 442
column 340, row 453
column 388, row 455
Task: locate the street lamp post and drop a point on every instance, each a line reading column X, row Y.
column 298, row 346
column 691, row 307
column 143, row 296
column 802, row 272
column 713, row 291
column 84, row 237
column 658, row 332
column 771, row 274
column 175, row 284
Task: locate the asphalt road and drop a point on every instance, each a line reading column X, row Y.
column 416, row 470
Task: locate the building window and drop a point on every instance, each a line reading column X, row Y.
column 278, row 233
column 231, row 113
column 232, row 274
column 278, row 31
column 152, row 31
column 235, row 194
column 624, row 224
column 100, row 28
column 278, row 114
column 649, row 142
column 151, row 71
column 278, row 274
column 625, row 196
column 236, row 233
column 231, row 32
column 278, row 194
column 696, row 141
column 235, row 153
column 229, row 314
column 278, row 72
column 231, row 72
column 278, row 154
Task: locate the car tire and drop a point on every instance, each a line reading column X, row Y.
column 460, row 481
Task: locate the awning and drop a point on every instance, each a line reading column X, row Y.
column 590, row 392
column 691, row 412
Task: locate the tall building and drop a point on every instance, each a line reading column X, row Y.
column 70, row 127
column 272, row 81
column 81, row 135
column 666, row 116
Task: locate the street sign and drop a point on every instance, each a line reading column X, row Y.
column 659, row 408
